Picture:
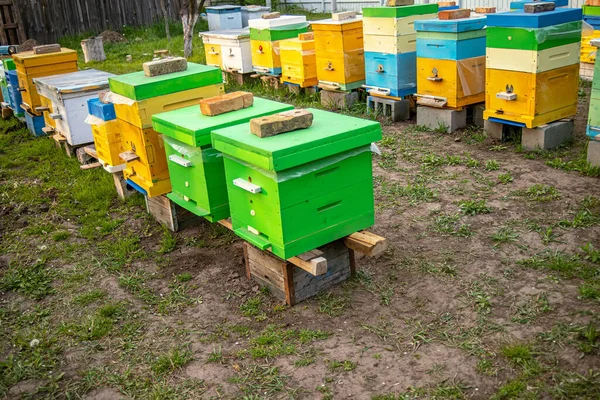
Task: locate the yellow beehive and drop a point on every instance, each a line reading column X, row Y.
column 45, row 102
column 588, row 52
column 108, row 142
column 460, row 82
column 298, row 61
column 213, row 55
column 340, row 52
column 140, row 112
column 149, row 170
column 30, row 65
column 265, row 54
column 538, row 98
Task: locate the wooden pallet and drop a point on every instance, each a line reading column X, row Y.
column 169, row 214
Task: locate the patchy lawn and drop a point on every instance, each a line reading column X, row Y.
column 490, row 287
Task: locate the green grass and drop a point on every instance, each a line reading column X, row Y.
column 542, row 193
column 34, row 280
column 449, row 224
column 171, row 361
column 332, row 305
column 474, row 207
column 505, row 178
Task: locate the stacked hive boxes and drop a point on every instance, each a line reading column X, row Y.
column 136, row 98
column 390, row 48
column 340, row 54
column 532, row 62
column 228, row 50
column 196, row 169
column 299, row 61
column 451, row 62
column 591, row 31
column 30, row 65
column 12, row 87
column 296, row 191
column 67, row 96
column 265, row 35
column 593, row 127
column 107, row 134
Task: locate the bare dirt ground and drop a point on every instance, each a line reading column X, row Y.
column 489, row 288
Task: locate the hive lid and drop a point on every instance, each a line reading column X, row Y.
column 520, row 19
column 330, row 134
column 451, row 25
column 76, row 82
column 138, row 86
column 222, row 9
column 329, row 21
column 30, row 59
column 190, row 126
column 284, row 20
column 227, row 34
column 399, row 12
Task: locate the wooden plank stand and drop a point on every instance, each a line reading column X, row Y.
column 311, row 273
column 169, row 214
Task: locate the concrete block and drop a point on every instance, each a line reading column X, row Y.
column 397, row 110
column 46, row 49
column 454, row 14
column 294, row 89
column 165, row 66
column 226, row 103
column 478, row 114
column 280, row 123
column 343, row 16
column 396, row 3
column 547, row 136
column 335, row 99
column 535, row 8
column 441, row 118
column 493, row 129
column 593, row 153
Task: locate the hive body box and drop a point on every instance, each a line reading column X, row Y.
column 265, row 35
column 140, row 97
column 298, row 62
column 196, row 169
column 108, row 140
column 30, row 66
column 451, row 61
column 296, row 191
column 224, row 17
column 340, row 54
column 229, row 50
column 390, row 44
column 14, row 95
column 591, row 15
column 532, row 73
column 68, row 94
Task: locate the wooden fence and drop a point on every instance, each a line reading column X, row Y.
column 48, row 20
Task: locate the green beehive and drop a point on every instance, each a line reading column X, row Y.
column 400, row 11
column 196, row 169
column 138, row 86
column 9, row 64
column 272, row 35
column 535, row 39
column 300, row 190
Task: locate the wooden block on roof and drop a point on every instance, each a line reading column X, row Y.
column 280, row 123
column 534, row 8
column 454, row 14
column 226, row 103
column 446, row 4
column 343, row 16
column 396, row 3
column 46, row 49
column 309, row 35
column 487, row 10
column 102, row 96
column 592, row 2
column 272, row 15
column 165, row 66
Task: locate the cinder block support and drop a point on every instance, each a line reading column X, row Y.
column 397, row 110
column 493, row 129
column 547, row 136
column 336, row 99
column 438, row 118
column 593, row 153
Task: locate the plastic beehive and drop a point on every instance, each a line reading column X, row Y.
column 30, row 66
column 535, row 39
column 196, row 169
column 35, row 123
column 296, row 191
column 298, row 62
column 393, row 74
column 340, row 52
column 229, row 49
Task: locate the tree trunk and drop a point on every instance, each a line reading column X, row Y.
column 190, row 10
column 166, row 17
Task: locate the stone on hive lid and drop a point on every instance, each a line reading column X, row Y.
column 280, row 123
column 486, row 10
column 534, row 8
column 343, row 16
column 165, row 66
column 272, row 15
column 46, row 49
column 396, row 3
column 226, row 103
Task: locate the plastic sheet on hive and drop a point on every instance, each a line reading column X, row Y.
column 190, row 151
column 309, row 168
column 471, row 72
column 567, row 30
column 93, row 120
column 114, row 98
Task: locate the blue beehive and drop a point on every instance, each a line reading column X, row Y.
column 396, row 73
column 224, row 17
column 104, row 111
column 35, row 123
